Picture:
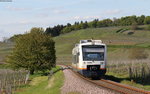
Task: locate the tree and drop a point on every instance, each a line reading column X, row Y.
column 55, row 31
column 68, row 24
column 147, row 20
column 107, row 22
column 84, row 25
column 93, row 24
column 14, row 37
column 33, row 51
column 77, row 26
column 128, row 20
column 140, row 20
column 100, row 24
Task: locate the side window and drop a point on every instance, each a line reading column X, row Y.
column 78, row 57
column 74, row 58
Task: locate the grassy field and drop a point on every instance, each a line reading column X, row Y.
column 41, row 85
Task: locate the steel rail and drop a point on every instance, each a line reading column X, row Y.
column 125, row 86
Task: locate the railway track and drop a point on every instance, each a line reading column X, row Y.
column 120, row 88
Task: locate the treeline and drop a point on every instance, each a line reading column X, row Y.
column 123, row 21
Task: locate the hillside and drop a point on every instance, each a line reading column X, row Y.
column 119, row 40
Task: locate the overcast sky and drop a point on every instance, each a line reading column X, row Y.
column 19, row 16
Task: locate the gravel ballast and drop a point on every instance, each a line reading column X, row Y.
column 73, row 83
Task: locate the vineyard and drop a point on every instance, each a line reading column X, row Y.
column 136, row 70
column 11, row 81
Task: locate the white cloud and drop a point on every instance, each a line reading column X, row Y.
column 86, row 17
column 60, row 11
column 12, row 8
column 91, row 17
column 111, row 12
column 76, row 18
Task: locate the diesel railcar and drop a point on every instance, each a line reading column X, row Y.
column 89, row 58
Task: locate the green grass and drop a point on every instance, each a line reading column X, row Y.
column 41, row 84
column 145, row 87
column 115, row 41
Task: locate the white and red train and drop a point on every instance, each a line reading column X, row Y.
column 89, row 58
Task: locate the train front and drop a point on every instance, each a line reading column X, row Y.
column 94, row 58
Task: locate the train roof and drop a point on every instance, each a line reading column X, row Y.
column 91, row 42
column 87, row 41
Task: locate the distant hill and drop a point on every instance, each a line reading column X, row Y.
column 119, row 40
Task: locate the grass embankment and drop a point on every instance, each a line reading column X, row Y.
column 41, row 85
column 124, row 79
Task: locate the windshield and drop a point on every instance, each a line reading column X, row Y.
column 93, row 56
column 93, row 53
